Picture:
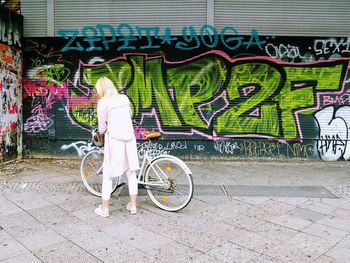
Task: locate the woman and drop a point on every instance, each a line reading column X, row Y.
column 120, row 150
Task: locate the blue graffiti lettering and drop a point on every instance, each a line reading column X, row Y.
column 128, row 37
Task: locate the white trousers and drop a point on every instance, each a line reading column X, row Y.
column 107, row 185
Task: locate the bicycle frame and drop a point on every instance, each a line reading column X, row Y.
column 147, row 160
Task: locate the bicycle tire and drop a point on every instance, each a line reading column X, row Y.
column 91, row 173
column 177, row 191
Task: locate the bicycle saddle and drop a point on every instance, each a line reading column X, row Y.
column 151, row 134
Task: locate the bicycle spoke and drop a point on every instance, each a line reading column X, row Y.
column 176, row 190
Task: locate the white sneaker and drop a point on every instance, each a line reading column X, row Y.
column 102, row 211
column 131, row 208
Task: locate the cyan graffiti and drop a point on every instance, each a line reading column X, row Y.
column 125, row 37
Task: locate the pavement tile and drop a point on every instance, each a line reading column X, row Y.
column 291, row 200
column 317, row 206
column 72, row 204
column 92, row 240
column 75, row 228
column 306, row 214
column 4, row 235
column 22, row 258
column 274, row 207
column 244, row 221
column 150, row 221
column 341, row 251
column 325, row 259
column 65, row 251
column 115, row 217
column 175, row 252
column 242, row 237
column 60, row 198
column 346, row 205
column 195, row 220
column 229, row 252
column 336, row 202
column 7, row 207
column 199, row 240
column 28, row 200
column 300, row 248
column 341, row 213
column 226, row 209
column 335, row 222
column 264, row 259
column 10, row 247
column 291, row 221
column 53, row 216
column 211, row 200
column 252, row 200
column 20, row 224
column 121, row 252
column 203, row 259
column 326, row 232
column 274, row 231
column 136, row 236
column 255, row 242
column 37, row 239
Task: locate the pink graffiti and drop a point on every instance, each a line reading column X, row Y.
column 13, row 109
column 41, row 88
column 343, row 99
column 248, row 90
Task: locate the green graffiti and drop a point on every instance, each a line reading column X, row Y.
column 196, row 83
column 118, row 71
column 261, row 80
column 83, row 109
column 155, row 79
column 211, row 95
column 139, row 92
column 299, row 91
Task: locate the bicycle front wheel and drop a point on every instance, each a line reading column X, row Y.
column 91, row 173
column 169, row 183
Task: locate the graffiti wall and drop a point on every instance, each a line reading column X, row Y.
column 10, row 85
column 219, row 95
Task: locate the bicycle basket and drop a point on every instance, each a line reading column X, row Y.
column 97, row 139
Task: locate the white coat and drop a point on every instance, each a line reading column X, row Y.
column 120, row 150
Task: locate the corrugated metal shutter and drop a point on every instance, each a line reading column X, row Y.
column 174, row 14
column 35, row 15
column 285, row 18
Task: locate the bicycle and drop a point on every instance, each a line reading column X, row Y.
column 166, row 178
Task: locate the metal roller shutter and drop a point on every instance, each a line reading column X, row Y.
column 174, row 14
column 35, row 16
column 285, row 18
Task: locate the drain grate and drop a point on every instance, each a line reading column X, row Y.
column 279, row 191
column 213, row 190
column 208, row 190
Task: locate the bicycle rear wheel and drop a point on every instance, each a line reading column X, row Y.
column 91, row 173
column 169, row 183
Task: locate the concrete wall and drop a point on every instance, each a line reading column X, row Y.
column 221, row 96
column 11, row 25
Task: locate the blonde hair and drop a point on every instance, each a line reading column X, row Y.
column 105, row 88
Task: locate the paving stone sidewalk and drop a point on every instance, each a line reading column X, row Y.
column 46, row 215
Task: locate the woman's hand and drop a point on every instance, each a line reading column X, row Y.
column 98, row 137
